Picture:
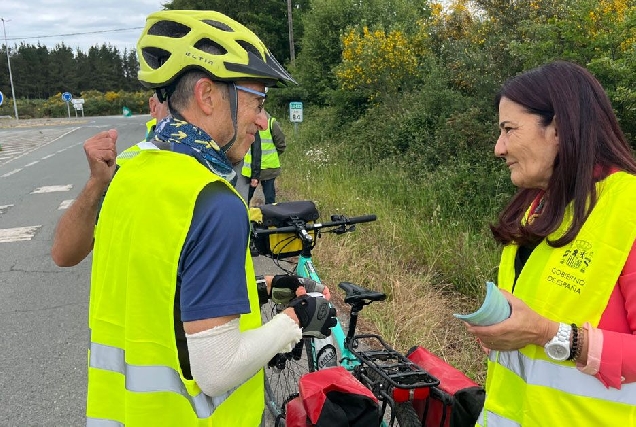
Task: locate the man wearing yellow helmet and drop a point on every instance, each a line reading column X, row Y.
column 176, row 335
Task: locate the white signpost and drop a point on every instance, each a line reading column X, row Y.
column 78, row 104
column 296, row 114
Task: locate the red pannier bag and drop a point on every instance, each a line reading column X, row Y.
column 333, row 397
column 456, row 402
column 295, row 414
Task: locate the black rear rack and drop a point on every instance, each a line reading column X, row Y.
column 389, row 364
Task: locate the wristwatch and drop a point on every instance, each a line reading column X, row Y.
column 558, row 348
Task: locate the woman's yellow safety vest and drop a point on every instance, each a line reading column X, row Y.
column 134, row 376
column 571, row 284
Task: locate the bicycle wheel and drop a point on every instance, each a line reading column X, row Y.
column 284, row 370
column 405, row 415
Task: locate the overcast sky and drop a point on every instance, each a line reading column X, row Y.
column 77, row 23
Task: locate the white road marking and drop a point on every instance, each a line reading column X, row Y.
column 32, row 163
column 5, row 208
column 11, row 173
column 48, row 157
column 32, row 149
column 65, row 204
column 52, row 189
column 18, row 234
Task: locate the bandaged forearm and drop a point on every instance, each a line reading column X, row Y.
column 222, row 358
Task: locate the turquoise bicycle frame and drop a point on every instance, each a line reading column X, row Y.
column 305, row 268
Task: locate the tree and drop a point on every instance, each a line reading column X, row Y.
column 266, row 18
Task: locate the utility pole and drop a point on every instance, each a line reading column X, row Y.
column 6, row 46
column 292, row 50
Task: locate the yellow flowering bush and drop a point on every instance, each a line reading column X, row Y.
column 377, row 62
column 111, row 96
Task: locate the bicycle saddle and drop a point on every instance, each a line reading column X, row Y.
column 358, row 294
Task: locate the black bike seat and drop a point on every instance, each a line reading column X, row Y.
column 358, row 294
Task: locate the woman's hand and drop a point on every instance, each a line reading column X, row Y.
column 523, row 327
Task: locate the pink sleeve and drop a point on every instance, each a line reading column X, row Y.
column 618, row 326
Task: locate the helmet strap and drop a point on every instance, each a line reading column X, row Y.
column 162, row 94
column 233, row 94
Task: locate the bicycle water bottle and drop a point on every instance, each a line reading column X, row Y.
column 326, row 354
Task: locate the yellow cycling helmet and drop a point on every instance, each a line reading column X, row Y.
column 174, row 41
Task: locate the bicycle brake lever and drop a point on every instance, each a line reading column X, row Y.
column 344, row 229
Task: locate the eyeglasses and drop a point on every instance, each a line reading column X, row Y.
column 261, row 95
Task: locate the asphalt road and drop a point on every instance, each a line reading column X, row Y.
column 43, row 308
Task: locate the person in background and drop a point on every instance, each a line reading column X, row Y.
column 158, row 110
column 170, row 260
column 272, row 146
column 567, row 354
column 253, row 157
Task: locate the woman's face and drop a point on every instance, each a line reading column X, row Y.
column 528, row 147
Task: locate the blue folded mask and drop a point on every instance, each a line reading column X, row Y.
column 494, row 309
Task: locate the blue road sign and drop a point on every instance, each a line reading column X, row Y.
column 66, row 96
column 1, row 98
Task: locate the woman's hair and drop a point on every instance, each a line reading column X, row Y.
column 590, row 144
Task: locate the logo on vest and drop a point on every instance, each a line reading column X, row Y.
column 578, row 256
column 575, row 260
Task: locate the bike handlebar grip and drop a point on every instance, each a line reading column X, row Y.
column 363, row 218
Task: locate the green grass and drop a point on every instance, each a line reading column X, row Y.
column 429, row 259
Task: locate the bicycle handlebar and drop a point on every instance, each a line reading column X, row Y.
column 315, row 226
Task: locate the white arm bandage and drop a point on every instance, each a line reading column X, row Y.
column 223, row 357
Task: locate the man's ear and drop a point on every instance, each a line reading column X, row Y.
column 205, row 95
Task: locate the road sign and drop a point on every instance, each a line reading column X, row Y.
column 1, row 98
column 77, row 101
column 66, row 96
column 296, row 112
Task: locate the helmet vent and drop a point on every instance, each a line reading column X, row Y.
column 249, row 47
column 210, row 46
column 155, row 57
column 219, row 25
column 168, row 29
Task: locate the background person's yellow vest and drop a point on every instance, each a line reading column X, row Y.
column 571, row 284
column 134, row 377
column 269, row 153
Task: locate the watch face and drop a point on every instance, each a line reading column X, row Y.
column 558, row 352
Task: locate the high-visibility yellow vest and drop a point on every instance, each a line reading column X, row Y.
column 150, row 126
column 269, row 154
column 134, row 375
column 571, row 284
column 131, row 152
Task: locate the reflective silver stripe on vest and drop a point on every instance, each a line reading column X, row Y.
column 268, row 152
column 98, row 422
column 148, row 379
column 128, row 154
column 566, row 379
column 495, row 420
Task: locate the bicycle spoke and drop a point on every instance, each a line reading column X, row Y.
column 283, row 371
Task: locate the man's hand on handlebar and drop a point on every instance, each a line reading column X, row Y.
column 284, row 288
column 314, row 315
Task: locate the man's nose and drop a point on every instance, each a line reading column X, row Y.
column 261, row 120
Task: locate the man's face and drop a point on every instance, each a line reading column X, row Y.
column 158, row 110
column 251, row 118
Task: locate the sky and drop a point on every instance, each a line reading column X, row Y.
column 76, row 23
